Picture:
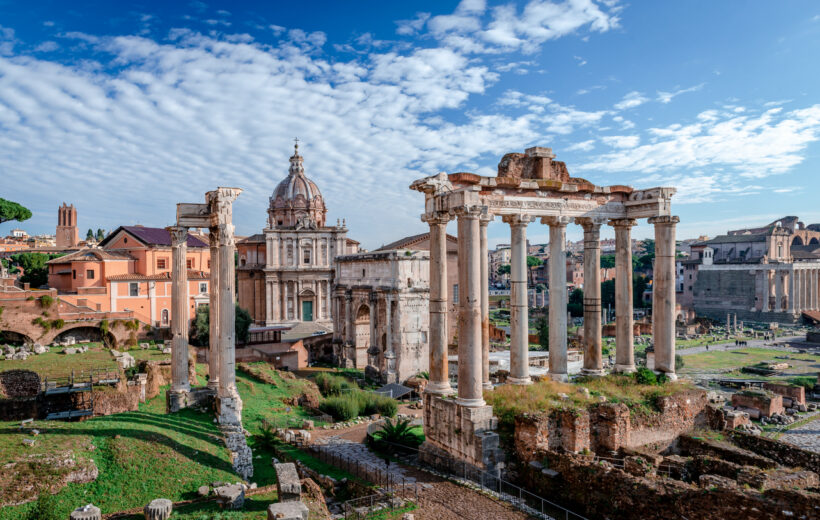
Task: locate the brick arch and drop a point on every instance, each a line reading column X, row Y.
column 17, row 336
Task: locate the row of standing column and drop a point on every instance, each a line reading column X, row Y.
column 473, row 310
column 221, row 366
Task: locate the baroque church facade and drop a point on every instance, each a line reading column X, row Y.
column 285, row 274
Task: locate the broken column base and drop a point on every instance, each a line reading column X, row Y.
column 229, row 417
column 202, row 397
column 458, row 434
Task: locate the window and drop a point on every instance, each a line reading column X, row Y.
column 189, row 263
column 306, row 256
column 203, row 287
column 455, row 293
column 162, row 263
column 74, row 274
column 89, row 273
column 133, row 289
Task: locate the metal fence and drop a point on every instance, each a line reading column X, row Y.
column 517, row 496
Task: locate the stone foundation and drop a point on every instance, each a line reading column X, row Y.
column 202, row 397
column 459, row 432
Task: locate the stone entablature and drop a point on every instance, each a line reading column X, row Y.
column 381, row 313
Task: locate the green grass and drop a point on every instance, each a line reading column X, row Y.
column 149, row 454
column 56, row 364
column 737, row 358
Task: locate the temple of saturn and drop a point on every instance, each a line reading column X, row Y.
column 216, row 215
column 531, row 186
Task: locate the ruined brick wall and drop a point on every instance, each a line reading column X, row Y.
column 793, row 392
column 602, row 491
column 767, row 404
column 609, row 425
column 19, row 383
column 679, row 413
column 783, row 453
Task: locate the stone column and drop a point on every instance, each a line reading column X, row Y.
column 469, row 307
column 519, row 315
column 792, row 290
column 214, row 355
column 593, row 362
column 484, row 221
column 558, row 297
column 624, row 327
column 179, row 306
column 663, row 295
column 439, row 376
column 229, row 405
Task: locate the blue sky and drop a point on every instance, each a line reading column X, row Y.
column 125, row 109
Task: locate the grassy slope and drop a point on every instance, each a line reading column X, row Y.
column 149, row 454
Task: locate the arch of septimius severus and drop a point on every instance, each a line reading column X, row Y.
column 529, row 187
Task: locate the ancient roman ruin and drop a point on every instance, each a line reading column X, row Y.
column 216, row 215
column 381, row 314
column 531, row 186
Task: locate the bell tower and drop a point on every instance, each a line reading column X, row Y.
column 67, row 234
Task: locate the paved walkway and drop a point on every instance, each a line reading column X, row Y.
column 806, row 436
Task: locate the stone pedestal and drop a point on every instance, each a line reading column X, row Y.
column 463, row 433
column 159, row 509
column 288, row 511
column 86, row 512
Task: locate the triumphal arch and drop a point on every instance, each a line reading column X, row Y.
column 532, row 187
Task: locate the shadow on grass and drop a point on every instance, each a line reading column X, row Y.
column 195, row 455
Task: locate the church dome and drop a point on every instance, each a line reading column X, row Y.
column 296, row 201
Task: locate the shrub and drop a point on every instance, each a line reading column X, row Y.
column 644, row 376
column 46, row 301
column 330, row 384
column 341, row 408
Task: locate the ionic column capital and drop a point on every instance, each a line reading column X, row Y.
column 517, row 220
column 468, row 212
column 437, row 218
column 590, row 223
column 558, row 221
column 623, row 223
column 664, row 220
column 179, row 235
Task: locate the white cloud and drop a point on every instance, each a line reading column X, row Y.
column 631, row 100
column 198, row 111
column 621, row 141
column 666, row 97
column 744, row 146
column 583, row 146
column 509, row 30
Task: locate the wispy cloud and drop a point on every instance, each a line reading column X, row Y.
column 666, row 97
